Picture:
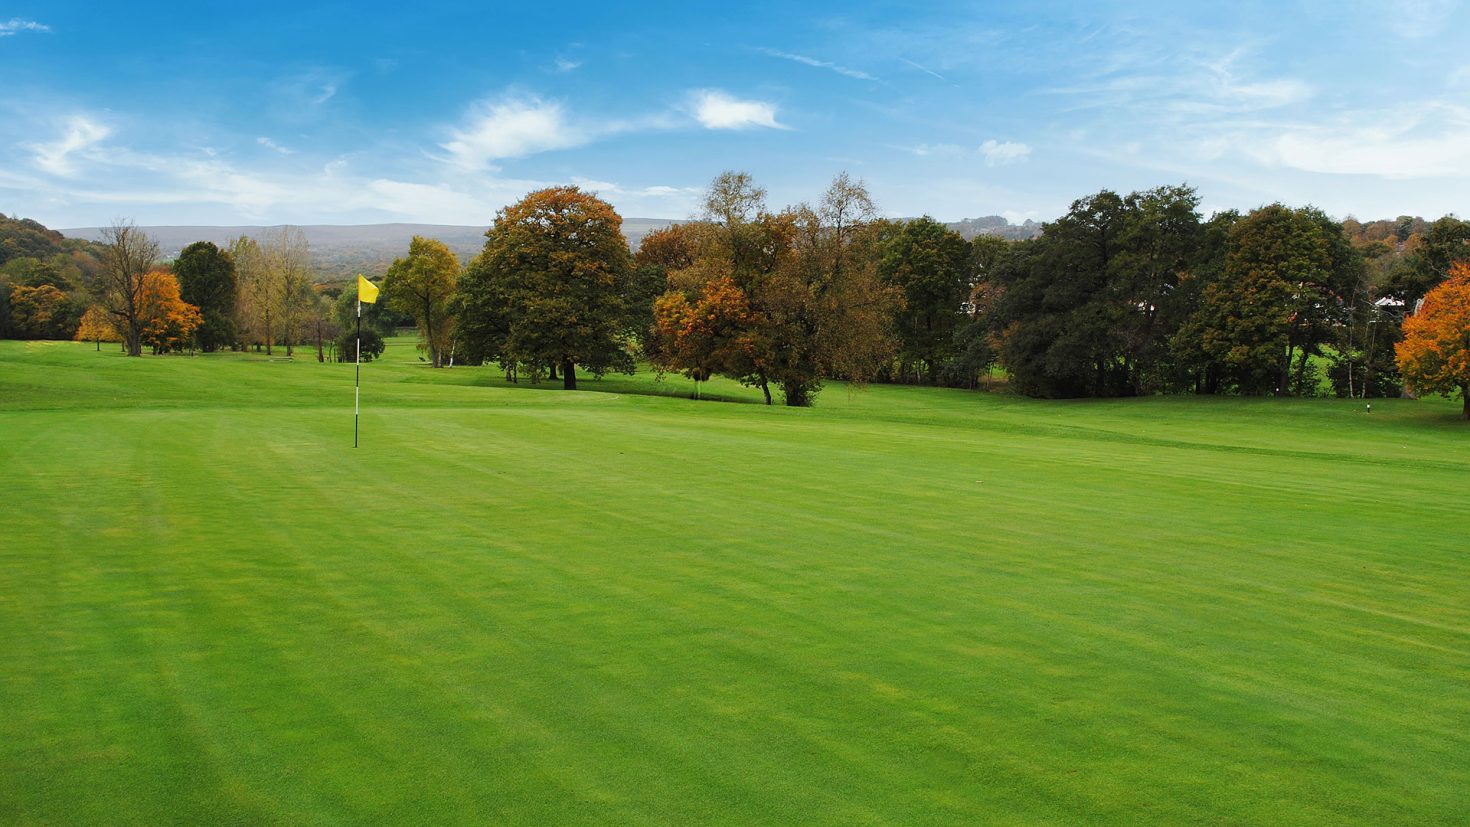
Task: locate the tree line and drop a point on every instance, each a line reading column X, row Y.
column 259, row 293
column 1123, row 295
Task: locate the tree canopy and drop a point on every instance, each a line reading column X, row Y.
column 551, row 288
column 784, row 299
column 207, row 280
column 422, row 285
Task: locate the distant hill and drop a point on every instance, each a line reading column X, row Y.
column 339, row 251
column 995, row 225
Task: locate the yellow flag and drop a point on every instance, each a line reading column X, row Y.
column 367, row 292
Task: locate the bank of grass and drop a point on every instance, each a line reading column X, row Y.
column 905, row 605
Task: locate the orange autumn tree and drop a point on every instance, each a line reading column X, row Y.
column 1435, row 353
column 97, row 327
column 168, row 321
column 704, row 337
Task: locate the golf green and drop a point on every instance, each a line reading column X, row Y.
column 519, row 605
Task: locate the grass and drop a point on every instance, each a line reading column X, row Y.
column 903, row 606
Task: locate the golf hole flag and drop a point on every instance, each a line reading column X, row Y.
column 366, row 292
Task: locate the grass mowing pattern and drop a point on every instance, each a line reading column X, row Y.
column 903, row 606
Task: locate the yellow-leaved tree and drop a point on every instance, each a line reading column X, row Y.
column 97, row 326
column 169, row 322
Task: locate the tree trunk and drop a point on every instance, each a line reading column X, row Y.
column 765, row 387
column 551, row 374
column 568, row 376
column 797, row 395
column 1301, row 372
column 434, row 358
column 1465, row 394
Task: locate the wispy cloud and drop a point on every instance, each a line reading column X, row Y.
column 1001, row 153
column 820, row 64
column 14, row 25
column 307, row 91
column 1425, row 140
column 926, row 70
column 940, row 150
column 564, row 65
column 79, row 135
column 715, row 109
column 272, row 145
column 654, row 191
column 511, row 127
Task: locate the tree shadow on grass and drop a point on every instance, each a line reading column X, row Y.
column 639, row 385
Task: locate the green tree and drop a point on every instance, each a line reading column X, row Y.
column 1288, row 276
column 931, row 264
column 1089, row 308
column 422, row 286
column 1058, row 315
column 207, row 280
column 1443, row 243
column 5, row 314
column 559, row 267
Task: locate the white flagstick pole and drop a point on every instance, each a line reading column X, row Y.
column 357, row 376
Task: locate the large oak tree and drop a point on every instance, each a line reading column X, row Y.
column 551, row 287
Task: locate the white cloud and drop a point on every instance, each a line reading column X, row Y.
column 79, row 136
column 272, row 145
column 511, row 128
column 718, row 110
column 821, row 64
column 999, row 154
column 565, row 65
column 1427, row 140
column 10, row 27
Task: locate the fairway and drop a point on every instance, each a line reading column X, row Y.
column 519, row 605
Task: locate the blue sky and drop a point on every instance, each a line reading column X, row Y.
column 442, row 113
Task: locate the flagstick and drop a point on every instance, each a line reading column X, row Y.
column 357, row 377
